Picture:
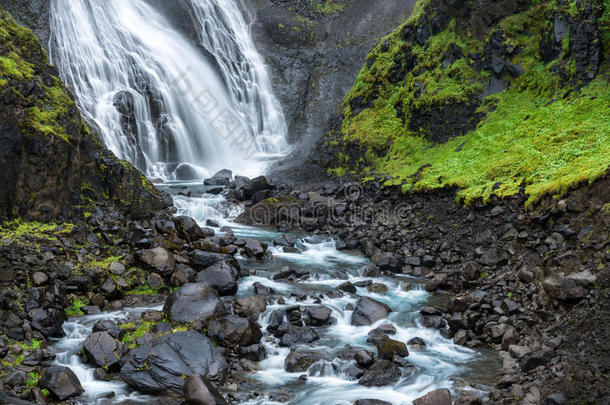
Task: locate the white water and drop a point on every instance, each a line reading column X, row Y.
column 185, row 110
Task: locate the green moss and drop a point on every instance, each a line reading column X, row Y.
column 130, row 338
column 327, row 6
column 75, row 309
column 539, row 135
column 22, row 231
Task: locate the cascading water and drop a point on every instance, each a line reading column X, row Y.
column 157, row 100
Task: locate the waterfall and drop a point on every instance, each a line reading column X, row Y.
column 160, row 101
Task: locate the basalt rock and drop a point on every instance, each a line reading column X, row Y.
column 194, row 302
column 61, row 382
column 369, row 311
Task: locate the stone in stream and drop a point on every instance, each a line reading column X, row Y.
column 369, row 311
column 299, row 360
column 221, row 178
column 381, row 373
column 283, row 241
column 260, row 289
column 255, row 352
column 189, row 230
column 347, row 287
column 417, row 343
column 221, row 276
column 194, row 302
column 388, row 348
column 371, row 402
column 250, row 307
column 317, row 315
column 199, row 391
column 160, row 366
column 437, row 397
column 61, row 382
column 254, row 249
column 298, row 335
column 232, row 331
column 102, row 350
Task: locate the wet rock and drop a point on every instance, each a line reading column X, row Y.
column 189, row 230
column 317, row 316
column 255, row 352
column 250, row 307
column 371, row 271
column 255, row 249
column 417, row 343
column 288, row 273
column 369, row 311
column 221, row 178
column 153, row 316
column 378, row 288
column 108, row 326
column 221, row 276
column 158, row 259
column 254, row 186
column 39, row 278
column 182, row 275
column 381, row 373
column 61, row 382
column 233, row 330
column 160, row 366
column 519, row 351
column 299, row 360
column 371, row 402
column 194, row 302
column 388, row 348
column 260, row 289
column 347, row 287
column 283, row 241
column 199, row 391
column 364, row 358
column 102, row 350
column 437, row 397
column 298, row 335
column 48, row 321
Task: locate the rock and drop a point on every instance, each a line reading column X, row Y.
column 194, row 302
column 233, row 330
column 110, row 290
column 369, row 311
column 534, row 360
column 158, row 259
column 189, row 230
column 254, row 186
column 417, row 343
column 557, row 398
column 250, row 307
column 221, row 276
column 117, row 268
column 298, row 335
column 572, row 287
column 493, row 257
column 347, row 287
column 381, row 373
column 154, row 281
column 317, row 315
column 48, row 321
column 509, row 307
column 378, row 288
column 283, row 241
column 364, row 358
column 299, row 360
column 255, row 352
column 221, row 178
column 182, row 275
column 17, row 378
column 153, row 316
column 39, row 278
column 371, row 271
column 388, row 348
column 102, row 350
column 437, row 397
column 525, row 275
column 159, row 367
column 199, row 391
column 61, row 382
column 108, row 326
column 255, row 249
column 260, row 289
column 519, row 351
column 472, row 271
column 371, row 402
column 201, row 260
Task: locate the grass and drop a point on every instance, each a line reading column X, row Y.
column 545, row 134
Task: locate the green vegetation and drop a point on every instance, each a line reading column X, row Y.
column 17, row 230
column 327, row 6
column 75, row 309
column 19, row 50
column 546, row 133
column 130, row 337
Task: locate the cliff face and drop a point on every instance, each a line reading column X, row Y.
column 51, row 164
column 314, row 50
column 494, row 98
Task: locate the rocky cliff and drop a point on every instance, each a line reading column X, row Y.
column 51, row 163
column 494, row 98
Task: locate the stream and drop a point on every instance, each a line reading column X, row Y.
column 439, row 365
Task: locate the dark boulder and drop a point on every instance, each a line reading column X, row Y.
column 199, row 391
column 232, row 331
column 61, row 382
column 102, row 350
column 221, row 178
column 299, row 360
column 369, row 311
column 381, row 373
column 371, row 402
column 317, row 315
column 298, row 335
column 255, row 249
column 250, row 307
column 437, row 397
column 160, row 366
column 194, row 302
column 48, row 321
column 254, row 186
column 388, row 348
column 158, row 259
column 189, row 230
column 221, row 276
column 106, row 325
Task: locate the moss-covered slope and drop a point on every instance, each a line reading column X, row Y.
column 51, row 164
column 494, row 97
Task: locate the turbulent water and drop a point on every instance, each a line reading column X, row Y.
column 161, row 102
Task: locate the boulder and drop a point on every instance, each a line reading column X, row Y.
column 283, row 241
column 102, row 350
column 254, row 186
column 199, row 391
column 260, row 289
column 158, row 259
column 298, row 335
column 416, row 343
column 388, row 348
column 48, row 321
column 381, row 373
column 369, row 311
column 189, row 230
column 221, row 178
column 232, row 331
column 39, row 278
column 255, row 249
column 255, row 352
column 299, row 360
column 250, row 307
column 194, row 302
column 347, row 287
column 317, row 315
column 106, row 325
column 437, row 397
column 371, row 402
column 61, row 382
column 221, row 276
column 160, row 366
